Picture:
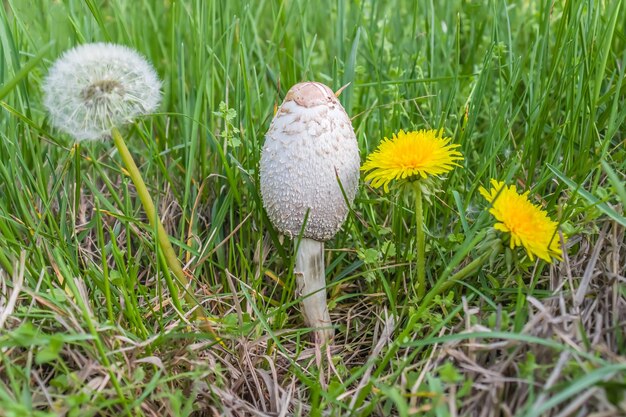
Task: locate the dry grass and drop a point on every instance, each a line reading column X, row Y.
column 251, row 376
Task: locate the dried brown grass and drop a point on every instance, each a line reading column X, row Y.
column 250, row 375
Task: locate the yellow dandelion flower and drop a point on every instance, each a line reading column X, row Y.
column 413, row 154
column 528, row 225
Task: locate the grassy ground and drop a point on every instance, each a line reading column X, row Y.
column 533, row 91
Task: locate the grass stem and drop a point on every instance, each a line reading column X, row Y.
column 419, row 225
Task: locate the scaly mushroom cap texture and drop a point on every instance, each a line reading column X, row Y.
column 309, row 149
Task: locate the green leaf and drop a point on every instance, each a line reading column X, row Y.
column 449, row 374
column 616, row 182
column 603, row 207
column 389, row 249
column 50, row 352
column 579, row 385
column 369, row 255
column 23, row 72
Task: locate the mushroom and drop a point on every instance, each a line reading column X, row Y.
column 310, row 154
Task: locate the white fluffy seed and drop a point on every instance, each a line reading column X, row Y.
column 94, row 87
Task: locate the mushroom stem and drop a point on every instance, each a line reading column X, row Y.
column 311, row 281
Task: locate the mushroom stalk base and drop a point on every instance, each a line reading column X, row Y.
column 311, row 281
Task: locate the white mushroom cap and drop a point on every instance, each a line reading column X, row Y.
column 310, row 146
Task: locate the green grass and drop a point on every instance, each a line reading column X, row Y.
column 533, row 91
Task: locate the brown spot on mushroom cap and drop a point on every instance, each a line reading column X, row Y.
column 310, row 93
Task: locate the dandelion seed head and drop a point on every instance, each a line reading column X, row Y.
column 94, row 87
